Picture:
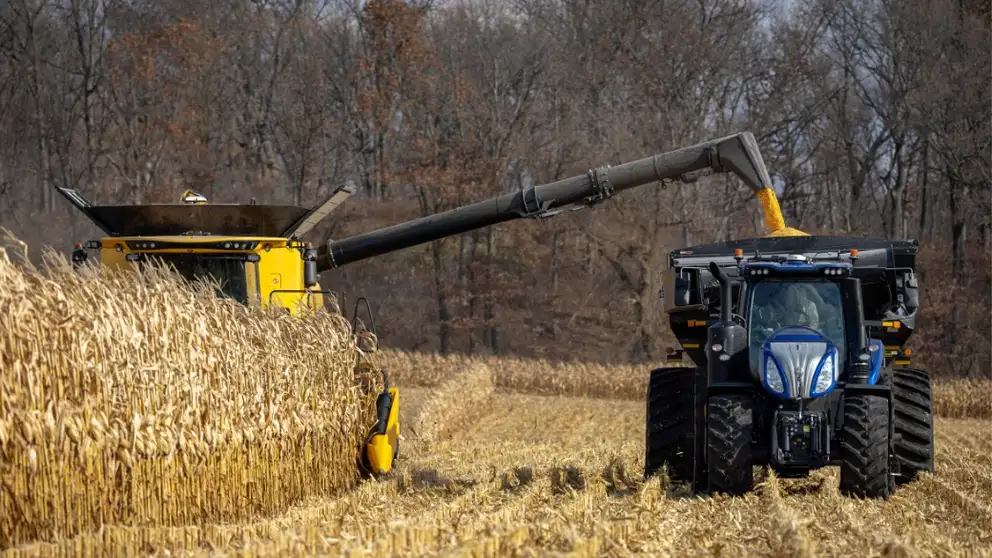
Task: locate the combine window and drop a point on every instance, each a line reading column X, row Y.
column 228, row 271
column 780, row 304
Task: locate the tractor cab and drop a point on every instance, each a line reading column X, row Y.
column 840, row 286
column 795, row 316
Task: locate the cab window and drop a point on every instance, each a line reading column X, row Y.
column 777, row 304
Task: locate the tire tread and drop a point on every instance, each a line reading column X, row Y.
column 669, row 423
column 728, row 443
column 864, row 469
column 912, row 393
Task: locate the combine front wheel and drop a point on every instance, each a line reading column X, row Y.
column 728, row 444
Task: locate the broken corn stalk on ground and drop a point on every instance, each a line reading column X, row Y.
column 456, row 403
column 133, row 399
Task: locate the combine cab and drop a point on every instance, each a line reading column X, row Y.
column 797, row 345
column 252, row 253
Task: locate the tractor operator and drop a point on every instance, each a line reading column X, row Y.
column 798, row 306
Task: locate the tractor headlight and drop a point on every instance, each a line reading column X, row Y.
column 825, row 375
column 799, row 363
column 774, row 378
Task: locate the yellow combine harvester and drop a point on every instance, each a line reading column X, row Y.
column 252, row 253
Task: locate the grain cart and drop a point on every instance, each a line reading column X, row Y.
column 252, row 253
column 799, row 363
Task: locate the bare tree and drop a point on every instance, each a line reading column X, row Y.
column 872, row 116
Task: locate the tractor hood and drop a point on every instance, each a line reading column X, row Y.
column 798, row 363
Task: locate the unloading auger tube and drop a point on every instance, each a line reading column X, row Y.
column 737, row 153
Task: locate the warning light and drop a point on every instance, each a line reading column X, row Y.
column 738, row 253
column 854, row 253
column 908, row 352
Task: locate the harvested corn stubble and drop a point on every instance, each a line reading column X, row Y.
column 953, row 398
column 140, row 399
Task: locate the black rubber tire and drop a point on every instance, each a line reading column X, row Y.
column 864, row 468
column 912, row 394
column 729, row 435
column 669, row 428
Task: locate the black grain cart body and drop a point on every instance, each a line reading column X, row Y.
column 886, row 269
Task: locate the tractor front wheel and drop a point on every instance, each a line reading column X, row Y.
column 729, row 423
column 865, row 467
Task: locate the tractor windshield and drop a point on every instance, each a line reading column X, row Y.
column 777, row 304
column 228, row 271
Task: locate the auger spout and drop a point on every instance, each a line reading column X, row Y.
column 737, row 153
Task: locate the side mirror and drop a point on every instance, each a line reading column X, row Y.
column 912, row 290
column 310, row 276
column 676, row 289
column 79, row 256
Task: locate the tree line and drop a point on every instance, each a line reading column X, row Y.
column 873, row 117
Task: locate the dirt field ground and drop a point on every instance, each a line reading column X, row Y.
column 505, row 474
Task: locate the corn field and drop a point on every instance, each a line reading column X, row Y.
column 168, row 422
column 164, row 405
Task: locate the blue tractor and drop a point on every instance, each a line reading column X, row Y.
column 797, row 345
